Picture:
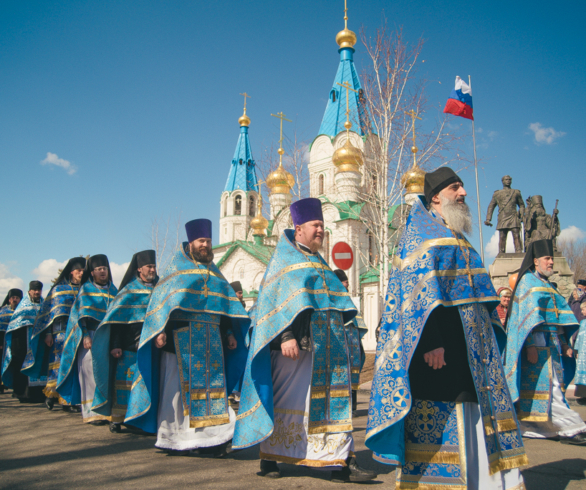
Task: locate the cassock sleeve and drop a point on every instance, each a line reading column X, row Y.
column 431, row 337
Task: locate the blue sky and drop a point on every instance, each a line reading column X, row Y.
column 133, row 106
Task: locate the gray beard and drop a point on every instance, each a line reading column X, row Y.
column 547, row 274
column 457, row 215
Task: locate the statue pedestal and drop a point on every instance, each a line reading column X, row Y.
column 505, row 265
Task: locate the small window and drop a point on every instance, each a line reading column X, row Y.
column 240, row 161
column 361, row 95
column 225, row 206
column 251, row 209
column 321, row 185
column 333, row 95
column 238, row 205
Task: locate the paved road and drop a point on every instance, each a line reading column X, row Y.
column 45, row 450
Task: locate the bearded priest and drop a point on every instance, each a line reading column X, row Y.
column 191, row 352
column 296, row 396
column 440, row 408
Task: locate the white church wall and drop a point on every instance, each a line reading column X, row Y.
column 243, row 267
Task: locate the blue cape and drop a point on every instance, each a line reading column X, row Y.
column 57, row 304
column 430, row 269
column 24, row 316
column 91, row 302
column 293, row 282
column 129, row 306
column 535, row 303
column 5, row 316
column 183, row 287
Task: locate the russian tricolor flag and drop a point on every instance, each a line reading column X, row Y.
column 460, row 101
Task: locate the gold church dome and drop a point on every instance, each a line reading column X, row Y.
column 280, row 181
column 346, row 38
column 259, row 224
column 347, row 158
column 413, row 180
column 244, row 120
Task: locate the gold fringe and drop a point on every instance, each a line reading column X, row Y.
column 329, row 428
column 209, row 422
column 439, row 457
column 508, row 464
column 301, row 462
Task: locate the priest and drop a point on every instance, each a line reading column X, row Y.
column 75, row 383
column 116, row 340
column 538, row 361
column 18, row 338
column 439, row 405
column 237, row 287
column 191, row 353
column 48, row 333
column 13, row 297
column 296, row 396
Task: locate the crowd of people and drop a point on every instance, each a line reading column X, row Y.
column 462, row 373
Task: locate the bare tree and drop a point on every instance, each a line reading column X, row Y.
column 391, row 89
column 575, row 253
column 165, row 238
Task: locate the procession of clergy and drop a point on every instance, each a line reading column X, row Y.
column 452, row 395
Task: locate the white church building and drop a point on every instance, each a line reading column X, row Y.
column 247, row 239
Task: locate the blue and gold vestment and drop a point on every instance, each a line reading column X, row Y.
column 112, row 392
column 56, row 305
column 295, row 282
column 23, row 317
column 198, row 294
column 91, row 302
column 355, row 330
column 5, row 315
column 537, row 307
column 434, row 267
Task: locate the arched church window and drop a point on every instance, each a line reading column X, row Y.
column 238, row 205
column 333, row 95
column 240, row 161
column 321, row 185
column 226, row 206
column 370, row 248
column 251, row 206
column 326, row 247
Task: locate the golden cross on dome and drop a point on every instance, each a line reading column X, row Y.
column 345, row 15
column 347, row 86
column 280, row 151
column 414, row 148
column 245, row 96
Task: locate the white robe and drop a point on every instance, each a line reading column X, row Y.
column 174, row 431
column 85, row 369
column 290, row 442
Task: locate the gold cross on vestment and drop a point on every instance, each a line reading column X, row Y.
column 129, row 373
column 319, row 371
column 199, row 345
column 198, row 326
column 216, row 365
column 339, row 358
column 198, row 366
column 533, row 377
column 339, row 371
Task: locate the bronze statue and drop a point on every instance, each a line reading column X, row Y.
column 509, row 219
column 538, row 224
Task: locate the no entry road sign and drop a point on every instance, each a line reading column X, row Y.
column 343, row 256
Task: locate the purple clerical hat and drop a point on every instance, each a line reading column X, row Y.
column 198, row 228
column 306, row 210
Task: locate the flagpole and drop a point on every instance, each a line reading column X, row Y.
column 477, row 189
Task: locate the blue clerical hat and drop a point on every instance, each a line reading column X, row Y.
column 306, row 210
column 198, row 228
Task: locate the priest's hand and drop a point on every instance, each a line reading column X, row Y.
column 161, row 340
column 49, row 340
column 290, row 349
column 532, row 354
column 87, row 343
column 117, row 353
column 435, row 358
column 232, row 344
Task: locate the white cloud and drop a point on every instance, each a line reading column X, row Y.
column 492, row 247
column 118, row 272
column 53, row 159
column 492, row 135
column 545, row 135
column 8, row 281
column 48, row 270
column 572, row 233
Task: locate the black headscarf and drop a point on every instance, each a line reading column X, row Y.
column 138, row 260
column 341, row 275
column 11, row 293
column 99, row 260
column 536, row 250
column 236, row 286
column 72, row 264
column 438, row 180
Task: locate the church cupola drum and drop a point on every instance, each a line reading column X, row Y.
column 240, row 196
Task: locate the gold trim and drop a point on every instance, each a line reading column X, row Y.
column 286, row 411
column 508, row 464
column 301, row 462
column 529, row 417
column 425, row 246
column 299, row 266
column 462, row 437
column 533, row 395
column 96, row 417
column 188, row 271
column 209, row 421
column 240, row 416
column 192, row 291
column 438, row 457
column 339, row 393
column 321, row 429
column 407, row 485
column 214, row 395
column 102, row 295
column 90, row 308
